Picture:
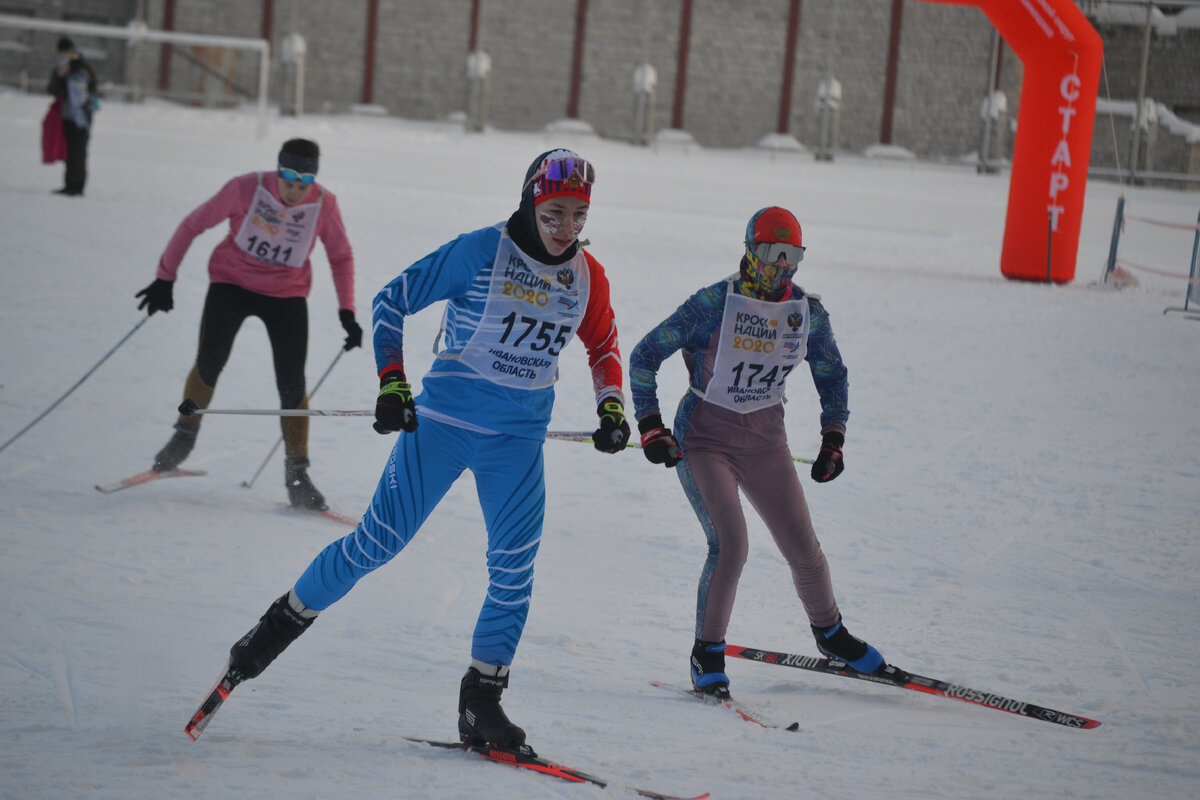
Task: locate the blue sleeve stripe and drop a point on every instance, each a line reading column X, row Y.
column 688, row 328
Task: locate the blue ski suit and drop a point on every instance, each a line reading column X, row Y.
column 476, row 420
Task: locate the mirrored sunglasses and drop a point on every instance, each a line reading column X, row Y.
column 307, row 178
column 769, row 252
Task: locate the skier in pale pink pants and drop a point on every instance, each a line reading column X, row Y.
column 740, row 338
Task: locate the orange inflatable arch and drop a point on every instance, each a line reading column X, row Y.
column 1061, row 52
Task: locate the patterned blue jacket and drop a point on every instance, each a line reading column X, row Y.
column 694, row 328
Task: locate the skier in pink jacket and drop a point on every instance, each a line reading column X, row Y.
column 261, row 269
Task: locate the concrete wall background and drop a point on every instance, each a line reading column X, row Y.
column 735, row 64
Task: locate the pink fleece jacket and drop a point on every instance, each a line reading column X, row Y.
column 229, row 264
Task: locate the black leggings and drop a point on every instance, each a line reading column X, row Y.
column 226, row 308
column 76, row 138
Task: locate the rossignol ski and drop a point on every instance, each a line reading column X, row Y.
column 525, row 758
column 902, row 679
column 729, row 703
column 146, row 477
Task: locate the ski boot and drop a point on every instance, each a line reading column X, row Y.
column 285, row 620
column 177, row 449
column 301, row 492
column 481, row 720
column 708, row 669
column 836, row 642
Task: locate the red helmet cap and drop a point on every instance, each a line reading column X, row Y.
column 774, row 224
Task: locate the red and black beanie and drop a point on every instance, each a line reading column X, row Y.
column 541, row 188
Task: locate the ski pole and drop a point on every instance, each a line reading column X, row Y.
column 581, row 436
column 86, row 375
column 189, row 408
column 586, row 436
column 279, row 441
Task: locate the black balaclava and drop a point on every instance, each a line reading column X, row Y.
column 522, row 225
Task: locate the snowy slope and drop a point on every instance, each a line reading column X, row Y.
column 1019, row 510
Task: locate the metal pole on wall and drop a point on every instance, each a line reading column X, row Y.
column 479, row 68
column 685, row 34
column 164, row 53
column 789, row 69
column 989, row 107
column 1135, row 140
column 893, row 65
column 368, row 87
column 828, row 97
column 581, row 10
column 263, row 82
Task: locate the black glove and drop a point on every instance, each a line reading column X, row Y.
column 353, row 331
column 658, row 444
column 394, row 407
column 159, row 296
column 613, row 433
column 829, row 463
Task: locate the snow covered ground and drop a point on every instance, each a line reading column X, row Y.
column 1019, row 511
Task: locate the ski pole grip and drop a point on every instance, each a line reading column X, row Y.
column 189, row 407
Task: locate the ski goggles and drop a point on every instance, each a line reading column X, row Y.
column 568, row 169
column 769, row 252
column 306, row 178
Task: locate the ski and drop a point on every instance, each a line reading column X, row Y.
column 894, row 676
column 220, row 692
column 731, row 704
column 328, row 514
column 525, row 758
column 146, row 477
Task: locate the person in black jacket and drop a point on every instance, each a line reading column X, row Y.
column 74, row 81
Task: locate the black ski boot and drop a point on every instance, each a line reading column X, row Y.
column 836, row 642
column 481, row 720
column 708, row 669
column 176, row 450
column 286, row 619
column 301, row 492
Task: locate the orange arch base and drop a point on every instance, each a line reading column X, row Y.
column 1061, row 52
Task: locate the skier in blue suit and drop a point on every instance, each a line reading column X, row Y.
column 517, row 293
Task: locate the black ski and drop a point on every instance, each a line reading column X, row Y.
column 525, row 758
column 145, row 477
column 729, row 703
column 211, row 703
column 902, row 679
